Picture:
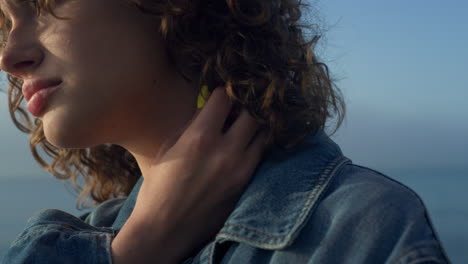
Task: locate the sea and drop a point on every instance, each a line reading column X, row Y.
column 444, row 192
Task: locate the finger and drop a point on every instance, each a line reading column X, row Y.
column 254, row 153
column 195, row 115
column 177, row 134
column 242, row 130
column 213, row 114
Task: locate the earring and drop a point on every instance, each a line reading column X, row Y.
column 201, row 96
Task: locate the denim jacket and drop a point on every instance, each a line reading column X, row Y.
column 308, row 205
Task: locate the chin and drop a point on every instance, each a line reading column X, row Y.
column 66, row 134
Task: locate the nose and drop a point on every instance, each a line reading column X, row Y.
column 20, row 58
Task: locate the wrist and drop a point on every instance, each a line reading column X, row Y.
column 140, row 241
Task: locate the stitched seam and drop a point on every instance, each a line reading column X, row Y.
column 425, row 259
column 409, row 251
column 67, row 226
column 107, row 241
column 98, row 243
column 253, row 240
column 68, row 215
column 328, row 170
column 37, row 230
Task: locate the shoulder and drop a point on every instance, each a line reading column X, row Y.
column 361, row 187
column 368, row 215
column 104, row 214
column 366, row 198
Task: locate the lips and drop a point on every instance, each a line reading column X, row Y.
column 30, row 87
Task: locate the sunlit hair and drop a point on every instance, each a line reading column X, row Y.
column 257, row 49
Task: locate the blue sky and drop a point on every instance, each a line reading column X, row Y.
column 403, row 69
column 404, row 57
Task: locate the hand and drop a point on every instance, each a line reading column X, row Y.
column 194, row 186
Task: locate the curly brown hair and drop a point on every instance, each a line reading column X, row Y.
column 256, row 49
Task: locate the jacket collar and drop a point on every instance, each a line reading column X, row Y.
column 277, row 202
column 282, row 194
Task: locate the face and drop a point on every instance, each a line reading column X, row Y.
column 110, row 59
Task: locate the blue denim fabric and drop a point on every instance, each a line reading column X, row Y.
column 308, row 205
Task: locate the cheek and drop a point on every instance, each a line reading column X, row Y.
column 114, row 66
column 82, row 121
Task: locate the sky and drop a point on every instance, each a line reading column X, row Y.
column 403, row 69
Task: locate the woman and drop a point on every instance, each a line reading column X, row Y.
column 251, row 178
